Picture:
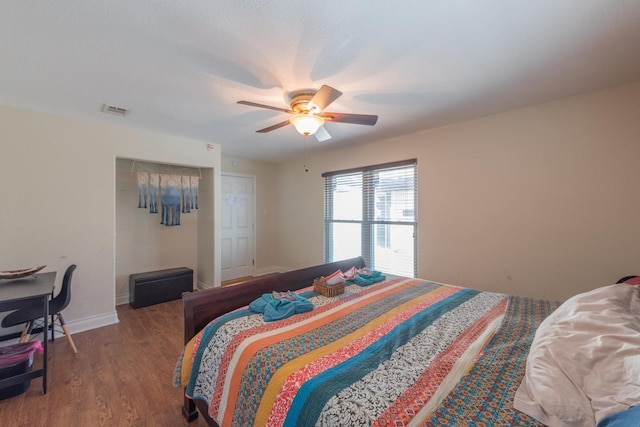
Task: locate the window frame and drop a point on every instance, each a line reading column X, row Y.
column 367, row 221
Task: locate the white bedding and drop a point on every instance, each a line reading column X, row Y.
column 584, row 362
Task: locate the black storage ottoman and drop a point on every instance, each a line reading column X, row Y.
column 155, row 287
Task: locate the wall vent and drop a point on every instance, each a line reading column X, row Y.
column 112, row 109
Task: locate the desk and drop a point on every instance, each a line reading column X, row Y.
column 17, row 293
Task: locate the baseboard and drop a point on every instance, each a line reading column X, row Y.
column 202, row 287
column 122, row 299
column 271, row 270
column 92, row 322
column 82, row 325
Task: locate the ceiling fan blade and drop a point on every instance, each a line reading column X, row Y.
column 356, row 119
column 322, row 134
column 274, row 127
column 253, row 104
column 324, row 96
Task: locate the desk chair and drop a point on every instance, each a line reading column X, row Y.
column 28, row 315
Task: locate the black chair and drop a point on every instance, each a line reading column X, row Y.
column 28, row 315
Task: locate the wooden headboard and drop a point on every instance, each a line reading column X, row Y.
column 200, row 307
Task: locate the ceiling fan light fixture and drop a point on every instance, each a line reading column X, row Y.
column 306, row 124
column 308, row 116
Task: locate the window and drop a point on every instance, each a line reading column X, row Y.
column 371, row 211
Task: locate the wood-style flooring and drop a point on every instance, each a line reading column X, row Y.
column 121, row 376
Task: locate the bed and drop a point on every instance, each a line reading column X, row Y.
column 399, row 351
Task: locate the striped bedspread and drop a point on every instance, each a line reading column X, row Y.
column 400, row 352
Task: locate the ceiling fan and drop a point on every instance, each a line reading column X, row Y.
column 308, row 117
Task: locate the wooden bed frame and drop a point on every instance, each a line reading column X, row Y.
column 201, row 307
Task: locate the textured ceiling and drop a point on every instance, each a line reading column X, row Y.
column 180, row 66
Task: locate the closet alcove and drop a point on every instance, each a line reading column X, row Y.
column 144, row 244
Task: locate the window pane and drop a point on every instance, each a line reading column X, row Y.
column 347, row 198
column 346, row 241
column 393, row 249
column 395, row 195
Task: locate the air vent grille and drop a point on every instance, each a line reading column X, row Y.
column 113, row 109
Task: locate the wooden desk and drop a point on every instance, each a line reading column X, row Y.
column 17, row 293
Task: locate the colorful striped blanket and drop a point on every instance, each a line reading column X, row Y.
column 400, row 352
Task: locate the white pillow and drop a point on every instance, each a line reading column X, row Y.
column 584, row 362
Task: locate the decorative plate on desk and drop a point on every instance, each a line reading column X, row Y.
column 17, row 274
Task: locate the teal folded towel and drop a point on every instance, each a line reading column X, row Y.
column 367, row 279
column 280, row 308
column 373, row 275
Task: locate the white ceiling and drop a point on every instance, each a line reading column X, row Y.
column 180, row 66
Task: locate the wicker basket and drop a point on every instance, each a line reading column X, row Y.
column 321, row 287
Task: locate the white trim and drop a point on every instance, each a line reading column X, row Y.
column 122, row 299
column 271, row 270
column 88, row 323
column 82, row 325
column 92, row 322
column 202, row 286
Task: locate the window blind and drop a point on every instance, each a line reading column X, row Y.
column 371, row 211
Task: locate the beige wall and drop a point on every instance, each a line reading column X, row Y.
column 541, row 201
column 58, row 194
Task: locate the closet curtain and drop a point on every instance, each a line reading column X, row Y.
column 176, row 194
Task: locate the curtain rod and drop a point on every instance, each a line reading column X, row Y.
column 133, row 165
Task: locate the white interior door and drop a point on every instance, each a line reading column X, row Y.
column 238, row 226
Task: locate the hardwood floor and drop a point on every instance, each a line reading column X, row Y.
column 121, row 376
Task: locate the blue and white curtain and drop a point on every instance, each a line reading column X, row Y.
column 189, row 193
column 194, row 192
column 154, row 188
column 186, row 194
column 175, row 193
column 143, row 189
column 170, row 187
